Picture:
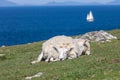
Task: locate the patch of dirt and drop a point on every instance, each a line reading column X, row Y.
column 116, row 60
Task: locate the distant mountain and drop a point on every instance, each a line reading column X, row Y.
column 94, row 3
column 71, row 3
column 63, row 3
column 116, row 2
column 7, row 3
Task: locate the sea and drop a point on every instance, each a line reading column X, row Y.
column 22, row 25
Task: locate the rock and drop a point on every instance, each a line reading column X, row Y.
column 3, row 46
column 98, row 36
column 28, row 78
column 29, row 43
column 2, row 55
column 34, row 76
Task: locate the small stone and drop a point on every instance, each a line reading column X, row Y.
column 28, row 78
column 1, row 55
column 29, row 43
column 3, row 46
column 34, row 76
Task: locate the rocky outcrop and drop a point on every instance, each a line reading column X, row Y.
column 98, row 36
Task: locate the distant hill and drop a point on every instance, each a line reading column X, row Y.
column 7, row 3
column 71, row 3
column 116, row 2
column 63, row 3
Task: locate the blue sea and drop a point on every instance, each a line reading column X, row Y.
column 21, row 25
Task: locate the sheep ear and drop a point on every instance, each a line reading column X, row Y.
column 55, row 49
column 71, row 49
column 85, row 43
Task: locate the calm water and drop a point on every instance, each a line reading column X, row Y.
column 20, row 25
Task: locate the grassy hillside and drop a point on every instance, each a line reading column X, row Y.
column 103, row 64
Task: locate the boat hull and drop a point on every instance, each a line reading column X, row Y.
column 90, row 20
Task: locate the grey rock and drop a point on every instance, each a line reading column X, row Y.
column 98, row 36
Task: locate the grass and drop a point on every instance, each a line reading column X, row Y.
column 103, row 64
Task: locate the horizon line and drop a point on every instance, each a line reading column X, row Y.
column 62, row 5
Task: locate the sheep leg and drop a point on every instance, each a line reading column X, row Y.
column 88, row 51
column 53, row 60
column 48, row 58
column 38, row 59
column 56, row 60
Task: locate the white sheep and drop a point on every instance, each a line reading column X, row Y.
column 55, row 49
column 80, row 46
column 85, row 45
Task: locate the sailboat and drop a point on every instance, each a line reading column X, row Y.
column 90, row 17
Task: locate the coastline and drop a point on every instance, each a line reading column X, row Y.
column 29, row 43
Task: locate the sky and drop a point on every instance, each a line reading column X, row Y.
column 42, row 2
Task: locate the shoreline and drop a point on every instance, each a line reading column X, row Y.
column 29, row 43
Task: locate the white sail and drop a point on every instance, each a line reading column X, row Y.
column 87, row 16
column 90, row 17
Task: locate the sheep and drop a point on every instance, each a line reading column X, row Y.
column 55, row 49
column 83, row 45
column 80, row 46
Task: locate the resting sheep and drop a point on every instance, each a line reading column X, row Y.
column 80, row 46
column 55, row 49
column 63, row 47
column 83, row 44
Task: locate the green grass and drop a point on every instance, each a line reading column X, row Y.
column 103, row 64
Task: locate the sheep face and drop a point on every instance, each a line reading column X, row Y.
column 62, row 52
